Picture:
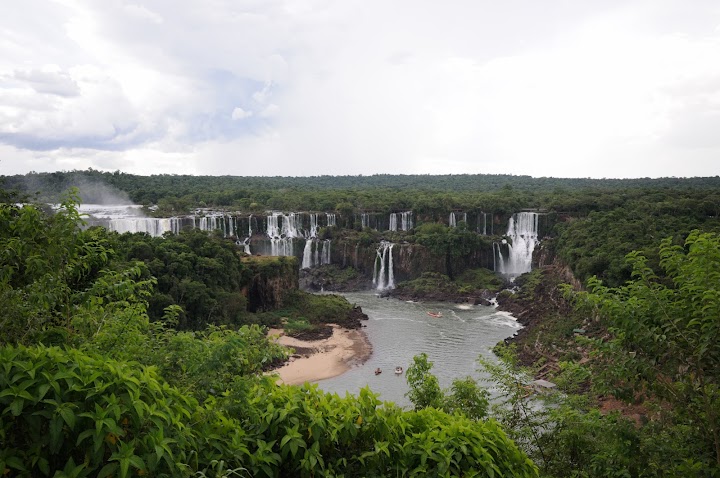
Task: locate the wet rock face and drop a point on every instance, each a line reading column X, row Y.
column 409, row 260
column 272, row 284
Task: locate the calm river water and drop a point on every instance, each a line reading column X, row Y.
column 399, row 330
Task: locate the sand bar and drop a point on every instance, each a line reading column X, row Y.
column 321, row 359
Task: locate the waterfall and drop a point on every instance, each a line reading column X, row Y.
column 316, row 253
column 385, row 277
column 522, row 230
column 280, row 225
column 246, row 245
column 273, row 230
column 313, row 225
column 393, row 222
column 498, row 258
column 230, row 226
column 246, row 242
column 307, row 260
column 406, row 220
column 282, row 230
column 485, row 223
column 451, row 220
column 252, row 219
column 331, row 218
column 365, row 220
column 156, row 227
column 149, row 225
column 325, row 257
column 292, row 224
column 208, row 223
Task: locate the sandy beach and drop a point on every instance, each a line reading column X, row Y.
column 320, row 359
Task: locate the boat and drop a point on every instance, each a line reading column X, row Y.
column 378, row 371
column 398, row 370
column 435, row 314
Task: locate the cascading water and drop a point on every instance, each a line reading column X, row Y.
column 211, row 222
column 313, row 225
column 523, row 233
column 331, row 219
column 246, row 242
column 365, row 220
column 406, row 221
column 282, row 230
column 308, row 257
column 155, row 227
column 325, row 256
column 307, row 261
column 207, row 223
column 315, row 252
column 451, row 220
column 383, row 270
column 230, row 226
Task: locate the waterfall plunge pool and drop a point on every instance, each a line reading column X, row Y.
column 399, row 330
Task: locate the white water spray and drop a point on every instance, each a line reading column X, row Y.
column 384, row 278
column 406, row 221
column 523, row 232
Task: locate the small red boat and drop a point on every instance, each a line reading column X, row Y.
column 435, row 314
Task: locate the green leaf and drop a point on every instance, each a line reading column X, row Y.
column 108, row 470
column 56, row 426
column 44, row 466
column 16, row 406
column 69, row 416
column 137, row 462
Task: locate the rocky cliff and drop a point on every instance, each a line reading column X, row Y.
column 273, row 280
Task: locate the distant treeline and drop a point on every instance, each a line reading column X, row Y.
column 424, row 194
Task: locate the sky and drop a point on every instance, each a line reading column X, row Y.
column 561, row 88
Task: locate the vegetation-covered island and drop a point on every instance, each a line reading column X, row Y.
column 137, row 346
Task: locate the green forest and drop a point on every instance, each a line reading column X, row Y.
column 114, row 346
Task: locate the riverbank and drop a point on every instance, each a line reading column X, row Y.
column 325, row 358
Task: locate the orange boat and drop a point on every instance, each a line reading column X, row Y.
column 434, row 314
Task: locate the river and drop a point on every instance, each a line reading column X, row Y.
column 398, row 330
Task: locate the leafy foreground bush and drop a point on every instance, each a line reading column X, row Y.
column 64, row 413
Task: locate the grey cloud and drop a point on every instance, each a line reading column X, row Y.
column 40, row 142
column 53, row 83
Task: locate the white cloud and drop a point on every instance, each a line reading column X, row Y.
column 140, row 11
column 270, row 110
column 239, row 113
column 606, row 89
column 48, row 80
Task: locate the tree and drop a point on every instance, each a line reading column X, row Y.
column 424, row 387
column 464, row 396
column 666, row 336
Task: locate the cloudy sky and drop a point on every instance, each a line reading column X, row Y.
column 562, row 88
